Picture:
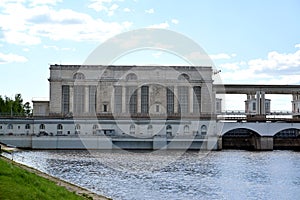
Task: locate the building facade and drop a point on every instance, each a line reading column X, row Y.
column 134, row 91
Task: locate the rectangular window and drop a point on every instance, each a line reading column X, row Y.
column 183, row 97
column 78, row 99
column 144, row 99
column 104, row 107
column 157, row 108
column 118, row 99
column 92, row 98
column 65, row 99
column 197, row 99
column 131, row 99
column 267, row 106
column 170, row 101
column 253, row 106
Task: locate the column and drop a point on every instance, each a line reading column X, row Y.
column 123, row 99
column 139, row 97
column 71, row 99
column 86, row 99
column 112, row 100
column 263, row 103
column 191, row 99
column 258, row 103
column 98, row 98
column 175, row 99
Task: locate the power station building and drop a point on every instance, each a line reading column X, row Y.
column 129, row 91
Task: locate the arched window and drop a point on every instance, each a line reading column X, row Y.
column 42, row 126
column 95, row 126
column 183, row 77
column 186, row 129
column 27, row 126
column 132, row 129
column 10, row 126
column 77, row 127
column 169, row 130
column 203, row 130
column 78, row 76
column 150, row 129
column 131, row 77
column 59, row 126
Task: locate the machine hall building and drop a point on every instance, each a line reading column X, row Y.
column 143, row 100
column 123, row 91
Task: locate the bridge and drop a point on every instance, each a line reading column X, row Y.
column 256, row 103
column 252, row 89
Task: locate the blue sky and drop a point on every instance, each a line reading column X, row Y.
column 250, row 41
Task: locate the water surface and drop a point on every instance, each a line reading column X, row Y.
column 173, row 175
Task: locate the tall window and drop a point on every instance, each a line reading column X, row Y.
column 27, row 126
column 132, row 129
column 170, row 101
column 203, row 130
column 144, row 99
column 78, row 99
column 77, row 129
column 197, row 99
column 118, row 99
column 42, row 126
column 131, row 99
column 253, row 106
column 92, row 98
column 65, row 98
column 10, row 126
column 59, row 126
column 150, row 129
column 169, row 130
column 183, row 98
column 186, row 129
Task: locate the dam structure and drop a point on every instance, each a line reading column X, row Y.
column 151, row 108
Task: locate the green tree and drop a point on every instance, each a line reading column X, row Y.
column 13, row 107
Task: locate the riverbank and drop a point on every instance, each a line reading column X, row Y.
column 18, row 181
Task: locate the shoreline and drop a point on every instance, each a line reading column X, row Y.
column 69, row 186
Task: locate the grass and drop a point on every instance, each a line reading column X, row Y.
column 17, row 183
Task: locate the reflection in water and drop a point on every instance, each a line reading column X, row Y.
column 192, row 175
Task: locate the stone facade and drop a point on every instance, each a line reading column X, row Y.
column 135, row 91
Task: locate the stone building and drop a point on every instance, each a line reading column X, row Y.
column 257, row 104
column 131, row 91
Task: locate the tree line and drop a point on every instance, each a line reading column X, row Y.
column 14, row 107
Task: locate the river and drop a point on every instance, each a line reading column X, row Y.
column 226, row 174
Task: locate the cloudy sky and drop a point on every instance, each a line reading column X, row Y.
column 254, row 41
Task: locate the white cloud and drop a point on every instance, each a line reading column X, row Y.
column 43, row 2
column 230, row 66
column 126, row 10
column 9, row 58
column 26, row 49
column 276, row 62
column 28, row 25
column 297, row 46
column 276, row 68
column 161, row 25
column 174, row 21
column 107, row 6
column 20, row 38
column 99, row 5
column 56, row 48
column 149, row 11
